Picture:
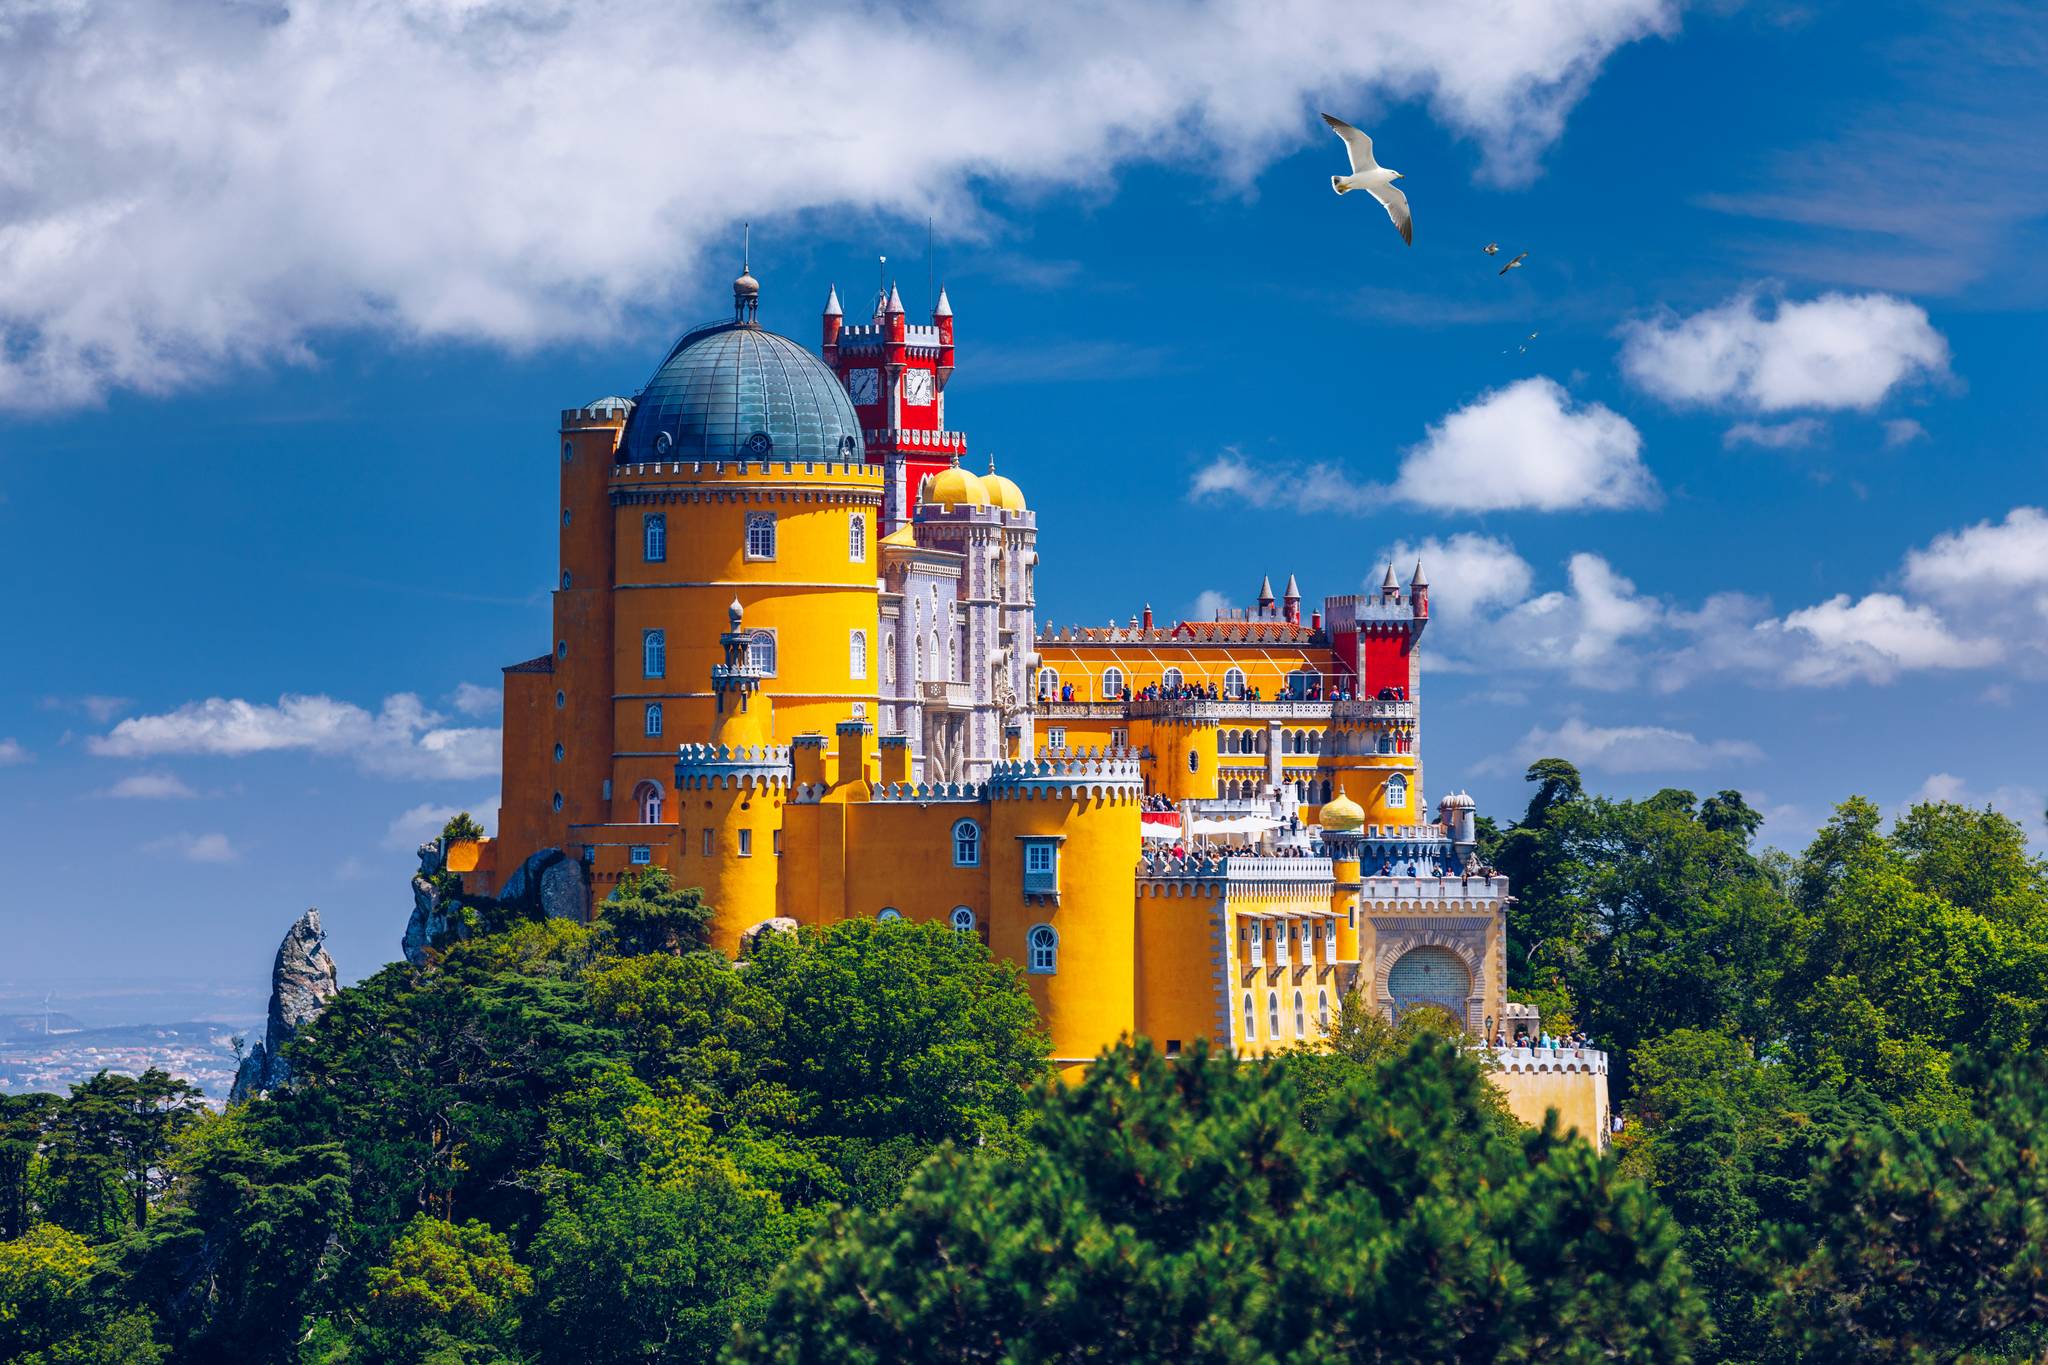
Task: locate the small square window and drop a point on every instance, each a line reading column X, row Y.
column 641, row 854
column 1172, row 1048
column 1055, row 738
column 760, row 535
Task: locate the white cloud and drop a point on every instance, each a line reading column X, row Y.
column 425, row 821
column 1835, row 351
column 1632, row 748
column 1793, row 435
column 1470, row 577
column 151, row 787
column 1902, row 431
column 101, row 708
column 473, row 699
column 12, row 752
column 200, row 183
column 195, row 848
column 1875, row 638
column 2022, row 804
column 1982, row 563
column 1207, row 603
column 1526, row 446
column 404, row 739
column 1588, row 632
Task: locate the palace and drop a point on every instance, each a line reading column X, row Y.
column 797, row 662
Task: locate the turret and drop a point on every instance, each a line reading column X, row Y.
column 741, row 717
column 1390, row 587
column 942, row 318
column 834, row 320
column 1266, row 595
column 1291, row 601
column 1418, row 591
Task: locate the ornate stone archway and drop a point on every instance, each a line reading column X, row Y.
column 1465, row 940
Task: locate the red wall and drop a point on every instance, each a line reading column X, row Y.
column 1385, row 656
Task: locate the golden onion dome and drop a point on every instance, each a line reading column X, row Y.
column 1001, row 491
column 1342, row 815
column 956, row 487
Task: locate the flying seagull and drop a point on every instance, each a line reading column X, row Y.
column 1515, row 264
column 1370, row 176
column 1491, row 248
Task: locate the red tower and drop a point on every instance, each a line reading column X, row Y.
column 896, row 373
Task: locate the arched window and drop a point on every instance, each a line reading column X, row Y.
column 857, row 538
column 1315, row 741
column 1233, row 683
column 1273, row 1014
column 1397, row 792
column 1112, row 684
column 917, row 673
column 962, row 920
column 1173, row 680
column 1045, row 949
column 1300, row 1017
column 1251, row 1019
column 1194, row 760
column 761, row 651
column 1230, row 741
column 653, row 653
column 888, row 914
column 1323, row 1010
column 857, row 654
column 966, row 844
column 889, row 661
column 1048, row 685
column 558, row 800
column 653, row 720
column 654, row 537
column 647, row 800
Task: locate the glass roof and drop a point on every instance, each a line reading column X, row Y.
column 735, row 392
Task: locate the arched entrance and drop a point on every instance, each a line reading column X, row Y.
column 1430, row 976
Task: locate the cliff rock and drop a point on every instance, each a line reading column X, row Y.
column 550, row 883
column 302, row 981
column 431, row 923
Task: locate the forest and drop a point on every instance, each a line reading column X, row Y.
column 560, row 1142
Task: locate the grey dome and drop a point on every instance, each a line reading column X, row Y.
column 734, row 391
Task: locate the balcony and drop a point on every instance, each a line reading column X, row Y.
column 1368, row 709
column 946, row 694
column 1080, row 710
column 1237, row 708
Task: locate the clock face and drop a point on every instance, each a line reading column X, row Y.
column 917, row 388
column 865, row 386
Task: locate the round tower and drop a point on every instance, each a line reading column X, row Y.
column 1063, row 843
column 729, row 801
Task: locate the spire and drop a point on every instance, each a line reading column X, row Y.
column 1293, row 593
column 1266, row 590
column 746, row 290
column 895, row 304
column 991, row 462
column 1419, row 581
column 735, row 613
column 1390, row 583
column 832, row 304
column 944, row 307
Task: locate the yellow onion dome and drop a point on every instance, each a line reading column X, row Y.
column 956, row 487
column 1001, row 491
column 1342, row 815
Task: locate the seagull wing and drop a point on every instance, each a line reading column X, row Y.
column 1355, row 142
column 1396, row 204
column 1512, row 264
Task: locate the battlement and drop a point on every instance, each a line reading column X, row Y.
column 605, row 412
column 857, row 471
column 909, row 438
column 1528, row 1060
column 1112, row 774
column 724, row 765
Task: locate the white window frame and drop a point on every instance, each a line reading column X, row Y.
column 963, row 921
column 1323, row 1010
column 1120, row 738
column 1041, row 867
column 1048, row 684
column 761, row 536
column 1273, row 1014
column 773, row 656
column 647, row 802
column 1042, row 950
column 1300, row 1016
column 650, row 721
column 888, row 914
column 857, row 654
column 654, row 654
column 1251, row 1018
column 966, row 844
column 654, row 537
column 1258, row 944
column 1397, row 792
column 1172, row 678
column 857, row 538
column 1055, row 736
column 1233, row 683
column 640, row 855
column 1112, row 683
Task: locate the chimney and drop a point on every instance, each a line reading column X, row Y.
column 1148, row 616
column 853, row 750
column 895, row 759
column 807, row 760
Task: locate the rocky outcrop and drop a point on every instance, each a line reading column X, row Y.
column 549, row 885
column 751, row 937
column 302, row 981
column 433, row 918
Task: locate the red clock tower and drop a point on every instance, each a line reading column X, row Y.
column 896, row 374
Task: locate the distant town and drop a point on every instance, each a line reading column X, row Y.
column 55, row 1051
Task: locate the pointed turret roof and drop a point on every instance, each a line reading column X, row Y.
column 895, row 303
column 1390, row 583
column 832, row 304
column 944, row 307
column 1419, row 581
column 1293, row 593
column 1266, row 588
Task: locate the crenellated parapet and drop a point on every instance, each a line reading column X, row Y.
column 1112, row 774
column 1539, row 1060
column 847, row 480
column 714, row 766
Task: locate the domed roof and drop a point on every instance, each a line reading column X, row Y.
column 1342, row 815
column 734, row 391
column 955, row 487
column 1001, row 491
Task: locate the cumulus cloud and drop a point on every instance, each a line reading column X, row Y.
column 2020, row 803
column 1793, row 435
column 151, row 787
column 1632, row 748
column 410, row 829
column 1835, row 351
column 1875, row 638
column 1523, row 447
column 12, row 752
column 1527, row 446
column 195, row 848
column 199, row 183
column 1470, row 576
column 1207, row 603
column 473, row 699
column 402, row 740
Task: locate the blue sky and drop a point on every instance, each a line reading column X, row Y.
column 280, row 363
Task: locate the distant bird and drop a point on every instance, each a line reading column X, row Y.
column 1491, row 248
column 1534, row 335
column 1515, row 264
column 1368, row 175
